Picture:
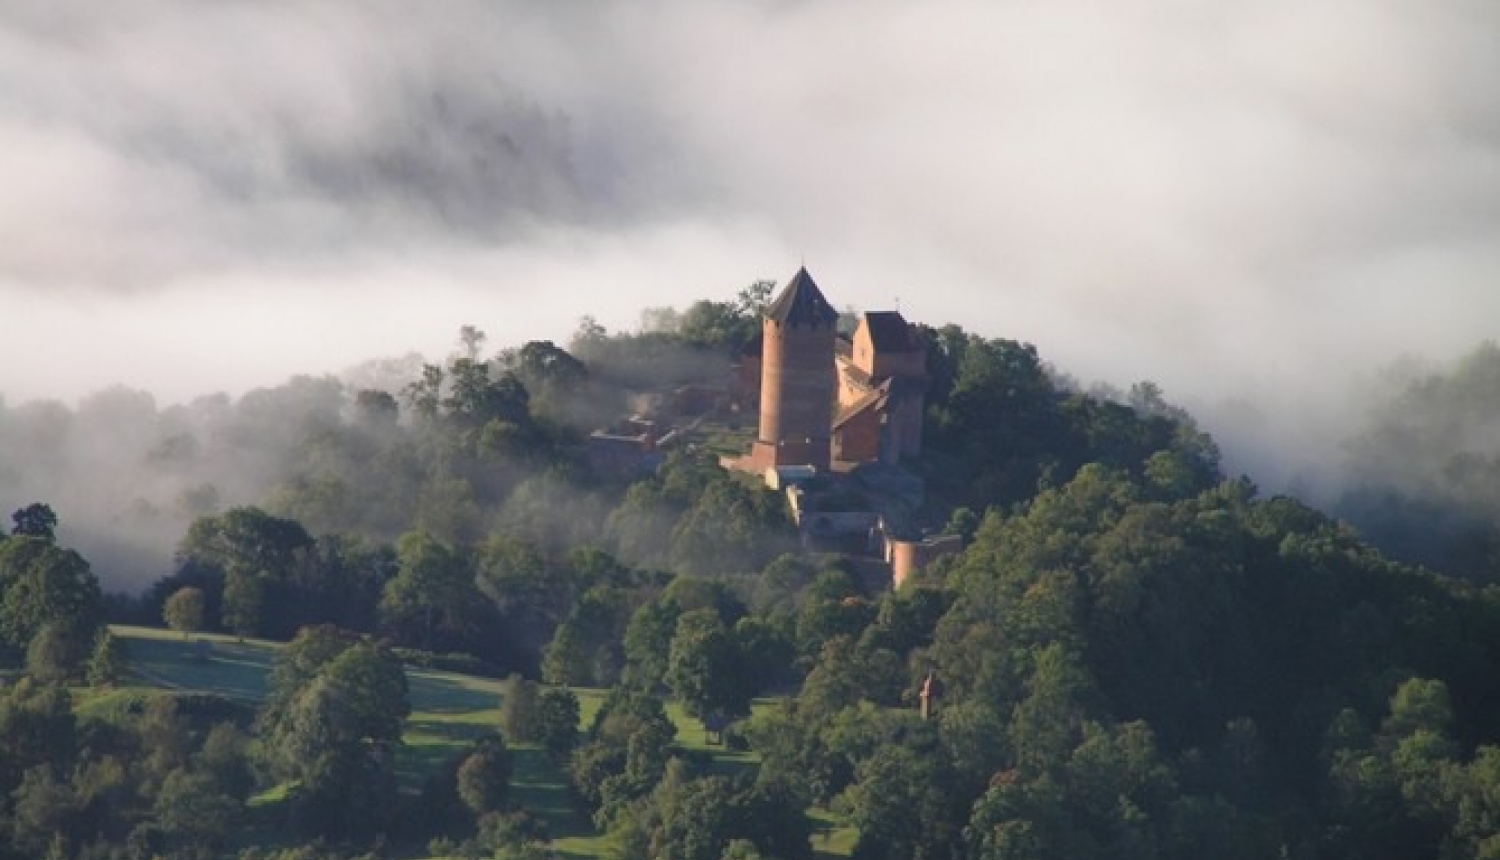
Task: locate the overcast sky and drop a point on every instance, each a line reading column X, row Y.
column 1230, row 199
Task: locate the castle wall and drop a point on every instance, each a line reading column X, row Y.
column 904, row 427
column 909, row 557
column 747, row 374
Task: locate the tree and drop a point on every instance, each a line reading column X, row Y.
column 648, row 643
column 565, row 660
column 753, row 300
column 705, row 668
column 195, row 814
column 432, row 595
column 183, row 611
column 729, row 528
column 37, row 728
column 518, row 709
column 376, row 409
column 246, row 539
column 264, row 560
column 902, row 806
column 471, row 341
column 41, row 583
column 225, row 758
column 484, row 776
column 448, row 510
column 766, row 652
column 781, row 583
column 424, row 396
column 109, row 660
column 694, row 819
column 296, row 666
column 1418, row 705
column 548, row 371
column 44, row 805
column 337, row 736
column 557, row 721
column 1048, row 723
column 741, row 849
column 838, row 680
column 628, row 748
column 56, row 651
column 243, row 603
column 35, row 520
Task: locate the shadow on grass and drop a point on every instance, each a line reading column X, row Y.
column 541, row 786
column 446, row 695
column 226, row 668
column 538, row 784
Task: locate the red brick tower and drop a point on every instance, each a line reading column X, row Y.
column 797, row 381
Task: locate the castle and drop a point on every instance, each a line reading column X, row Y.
column 827, row 401
column 837, row 416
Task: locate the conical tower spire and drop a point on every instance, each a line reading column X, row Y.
column 801, row 303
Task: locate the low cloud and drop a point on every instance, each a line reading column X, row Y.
column 1251, row 205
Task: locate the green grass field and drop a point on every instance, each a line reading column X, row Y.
column 448, row 712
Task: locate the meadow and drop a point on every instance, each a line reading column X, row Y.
column 449, row 711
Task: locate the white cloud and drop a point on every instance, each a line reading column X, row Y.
column 1258, row 199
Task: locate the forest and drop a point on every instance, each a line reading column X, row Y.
column 1134, row 656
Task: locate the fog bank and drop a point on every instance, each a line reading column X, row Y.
column 1249, row 205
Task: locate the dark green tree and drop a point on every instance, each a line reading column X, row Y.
column 42, row 584
column 242, row 607
column 705, row 669
column 518, row 709
column 648, row 643
column 35, row 520
column 432, row 598
column 484, row 776
column 195, row 814
column 557, row 721
column 337, row 736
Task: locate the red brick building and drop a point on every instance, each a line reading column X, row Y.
column 826, row 400
column 882, row 374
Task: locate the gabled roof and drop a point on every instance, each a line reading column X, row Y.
column 802, row 303
column 889, row 332
column 873, row 400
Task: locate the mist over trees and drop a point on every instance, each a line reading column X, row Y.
column 1423, row 467
column 1134, row 655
